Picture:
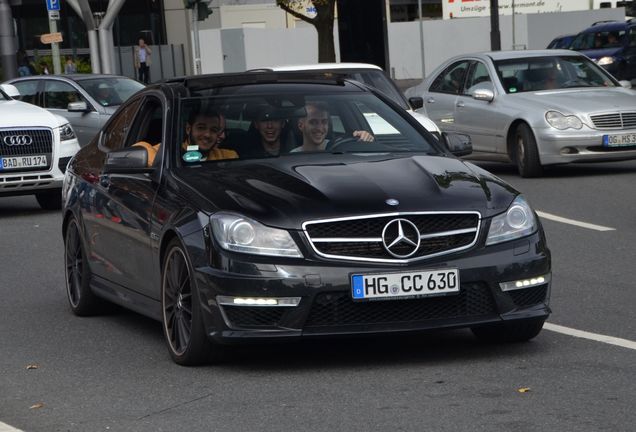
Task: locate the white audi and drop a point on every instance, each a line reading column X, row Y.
column 35, row 147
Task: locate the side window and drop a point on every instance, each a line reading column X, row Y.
column 147, row 129
column 478, row 77
column 28, row 91
column 451, row 80
column 58, row 94
column 114, row 136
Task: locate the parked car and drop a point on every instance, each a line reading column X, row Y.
column 35, row 147
column 383, row 236
column 561, row 42
column 86, row 100
column 368, row 74
column 537, row 108
column 612, row 45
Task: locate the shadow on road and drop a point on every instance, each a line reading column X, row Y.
column 561, row 171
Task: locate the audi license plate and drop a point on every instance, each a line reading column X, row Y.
column 15, row 162
column 619, row 140
column 404, row 285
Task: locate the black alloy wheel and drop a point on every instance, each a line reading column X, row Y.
column 80, row 297
column 50, row 199
column 182, row 321
column 526, row 154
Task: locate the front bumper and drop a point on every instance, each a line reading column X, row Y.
column 325, row 305
column 28, row 182
column 585, row 145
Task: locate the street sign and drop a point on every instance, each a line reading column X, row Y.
column 53, row 5
column 49, row 38
column 54, row 14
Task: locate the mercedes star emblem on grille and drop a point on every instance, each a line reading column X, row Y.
column 16, row 140
column 401, row 238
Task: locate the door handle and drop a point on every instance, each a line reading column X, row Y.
column 430, row 100
column 459, row 104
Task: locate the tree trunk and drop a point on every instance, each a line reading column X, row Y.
column 324, row 27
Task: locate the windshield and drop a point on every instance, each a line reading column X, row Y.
column 599, row 40
column 111, row 91
column 378, row 80
column 551, row 73
column 280, row 125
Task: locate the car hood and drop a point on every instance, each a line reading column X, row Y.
column 287, row 191
column 581, row 100
column 603, row 52
column 20, row 114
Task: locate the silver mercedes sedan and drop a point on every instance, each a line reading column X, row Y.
column 537, row 108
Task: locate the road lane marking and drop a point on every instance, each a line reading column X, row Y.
column 611, row 340
column 574, row 222
column 6, row 428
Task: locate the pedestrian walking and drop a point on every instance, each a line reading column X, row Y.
column 70, row 67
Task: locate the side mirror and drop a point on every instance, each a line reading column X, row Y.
column 484, row 94
column 11, row 90
column 457, row 144
column 77, row 107
column 128, row 160
column 416, row 102
column 625, row 84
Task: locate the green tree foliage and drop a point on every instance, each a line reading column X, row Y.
column 323, row 22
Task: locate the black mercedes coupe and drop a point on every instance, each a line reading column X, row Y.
column 241, row 207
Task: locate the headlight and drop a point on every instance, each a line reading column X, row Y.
column 240, row 234
column 604, row 61
column 518, row 221
column 560, row 121
column 66, row 132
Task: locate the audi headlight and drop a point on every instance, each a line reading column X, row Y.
column 562, row 122
column 604, row 61
column 240, row 234
column 66, row 132
column 518, row 221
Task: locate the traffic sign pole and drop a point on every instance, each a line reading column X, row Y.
column 53, row 7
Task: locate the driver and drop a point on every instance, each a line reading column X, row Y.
column 204, row 131
column 314, row 128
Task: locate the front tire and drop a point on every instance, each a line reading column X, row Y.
column 525, row 152
column 507, row 332
column 182, row 321
column 50, row 199
column 82, row 300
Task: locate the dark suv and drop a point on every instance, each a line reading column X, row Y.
column 612, row 45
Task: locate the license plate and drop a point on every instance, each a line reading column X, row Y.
column 383, row 286
column 619, row 140
column 16, row 162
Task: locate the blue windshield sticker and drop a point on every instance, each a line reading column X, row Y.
column 192, row 156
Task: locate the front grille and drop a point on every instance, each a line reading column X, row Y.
column 41, row 143
column 337, row 308
column 529, row 296
column 250, row 317
column 619, row 120
column 361, row 238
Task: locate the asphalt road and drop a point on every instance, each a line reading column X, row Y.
column 113, row 372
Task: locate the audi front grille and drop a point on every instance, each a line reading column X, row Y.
column 27, row 142
column 395, row 237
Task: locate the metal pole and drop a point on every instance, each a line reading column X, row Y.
column 7, row 42
column 495, row 35
column 419, row 12
column 195, row 29
column 514, row 40
column 55, row 48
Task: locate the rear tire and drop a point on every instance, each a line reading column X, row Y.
column 182, row 320
column 50, row 199
column 506, row 332
column 525, row 152
column 82, row 300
